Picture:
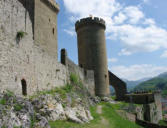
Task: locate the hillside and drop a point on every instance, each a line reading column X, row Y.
column 159, row 82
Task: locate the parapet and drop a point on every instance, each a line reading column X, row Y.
column 52, row 4
column 90, row 21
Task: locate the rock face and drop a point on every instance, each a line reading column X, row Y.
column 20, row 112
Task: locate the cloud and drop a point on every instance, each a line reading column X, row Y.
column 124, row 52
column 134, row 14
column 137, row 72
column 126, row 24
column 83, row 8
column 112, row 60
column 70, row 31
column 164, row 55
column 146, row 1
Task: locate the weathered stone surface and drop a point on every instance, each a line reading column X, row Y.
column 20, row 112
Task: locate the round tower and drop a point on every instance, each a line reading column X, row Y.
column 92, row 51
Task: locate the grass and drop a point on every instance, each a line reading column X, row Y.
column 2, row 101
column 108, row 119
column 162, row 122
column 62, row 91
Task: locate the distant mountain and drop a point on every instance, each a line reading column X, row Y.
column 158, row 82
column 163, row 75
column 132, row 84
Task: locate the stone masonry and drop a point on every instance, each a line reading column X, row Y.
column 30, row 63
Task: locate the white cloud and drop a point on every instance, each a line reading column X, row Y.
column 126, row 24
column 139, row 39
column 137, row 72
column 149, row 21
column 146, row 1
column 134, row 14
column 124, row 52
column 120, row 18
column 83, row 8
column 164, row 55
column 70, row 31
column 112, row 60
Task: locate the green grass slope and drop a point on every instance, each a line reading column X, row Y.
column 108, row 118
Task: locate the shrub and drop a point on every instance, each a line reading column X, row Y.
column 20, row 34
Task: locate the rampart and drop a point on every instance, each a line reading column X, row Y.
column 86, row 76
column 90, row 21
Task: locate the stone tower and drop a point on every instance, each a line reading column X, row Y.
column 43, row 16
column 92, row 51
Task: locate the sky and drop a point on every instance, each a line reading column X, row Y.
column 136, row 34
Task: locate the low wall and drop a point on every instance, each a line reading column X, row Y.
column 146, row 124
column 143, row 98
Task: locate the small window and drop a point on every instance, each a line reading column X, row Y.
column 53, row 31
column 24, row 87
column 81, row 65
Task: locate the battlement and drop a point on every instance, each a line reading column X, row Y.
column 52, row 4
column 88, row 21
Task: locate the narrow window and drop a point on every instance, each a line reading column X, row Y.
column 81, row 65
column 24, row 87
column 53, row 31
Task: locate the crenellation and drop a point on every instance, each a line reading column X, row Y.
column 90, row 20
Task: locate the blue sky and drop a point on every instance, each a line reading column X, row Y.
column 136, row 34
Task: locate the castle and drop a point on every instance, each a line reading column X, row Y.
column 29, row 64
column 28, row 52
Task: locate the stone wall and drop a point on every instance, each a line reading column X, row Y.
column 118, row 85
column 147, row 124
column 87, row 76
column 152, row 107
column 23, row 59
column 33, row 59
column 46, row 26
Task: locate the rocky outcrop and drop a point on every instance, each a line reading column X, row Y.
column 36, row 112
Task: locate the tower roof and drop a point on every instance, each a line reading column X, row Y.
column 88, row 21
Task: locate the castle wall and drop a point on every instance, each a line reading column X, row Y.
column 86, row 76
column 24, row 59
column 33, row 58
column 46, row 26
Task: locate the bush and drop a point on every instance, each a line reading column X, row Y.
column 20, row 34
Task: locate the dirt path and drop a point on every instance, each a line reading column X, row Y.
column 99, row 109
column 104, row 121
